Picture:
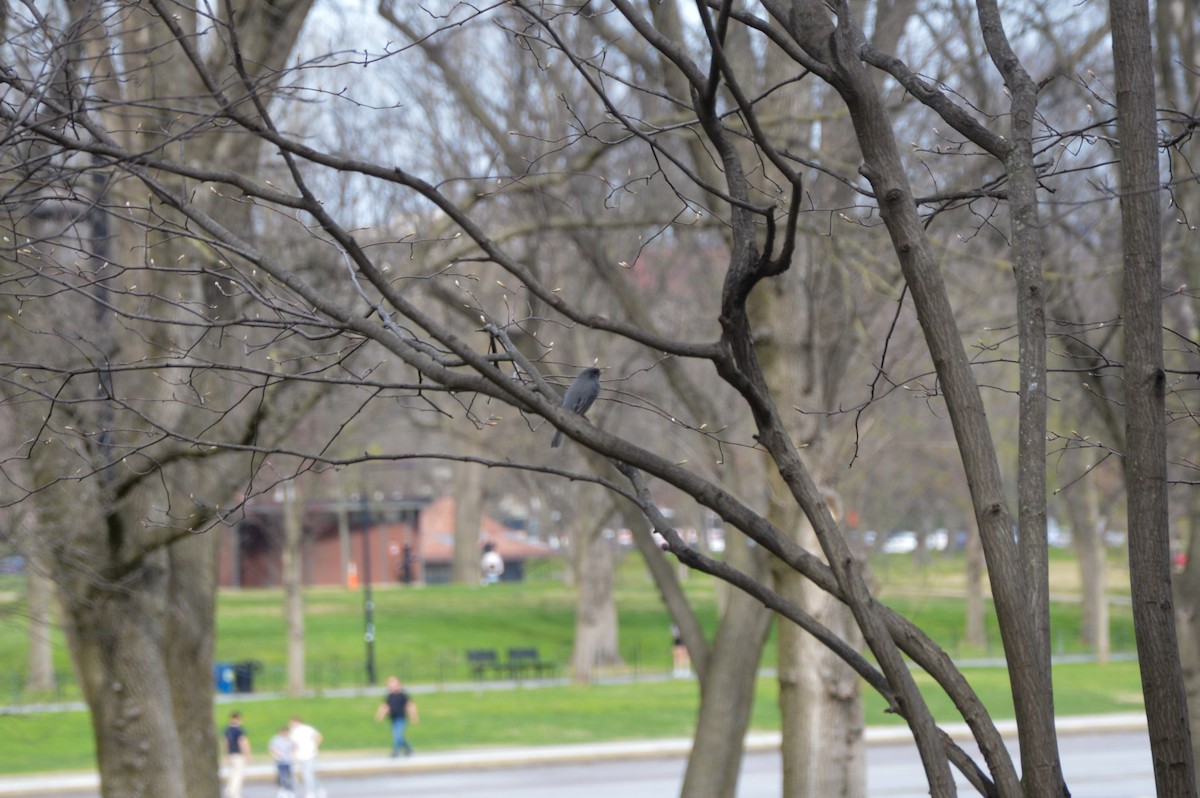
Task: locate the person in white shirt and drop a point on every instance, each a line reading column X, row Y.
column 492, row 564
column 306, row 741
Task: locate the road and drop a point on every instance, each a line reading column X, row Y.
column 1098, row 765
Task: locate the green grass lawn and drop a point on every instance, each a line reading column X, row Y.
column 543, row 715
column 422, row 634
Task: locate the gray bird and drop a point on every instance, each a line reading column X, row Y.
column 579, row 396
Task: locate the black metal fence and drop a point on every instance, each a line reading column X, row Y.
column 347, row 673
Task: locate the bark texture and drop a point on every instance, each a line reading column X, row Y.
column 820, row 698
column 727, row 694
column 1145, row 419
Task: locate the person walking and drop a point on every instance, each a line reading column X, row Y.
column 399, row 707
column 491, row 564
column 237, row 752
column 306, row 742
column 280, row 749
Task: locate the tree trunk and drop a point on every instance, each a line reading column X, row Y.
column 1149, row 545
column 293, row 588
column 1033, row 691
column 123, row 620
column 151, row 713
column 468, row 511
column 188, row 657
column 139, row 622
column 41, row 599
column 976, row 631
column 884, row 168
column 727, row 691
column 114, row 635
column 137, row 594
column 1145, row 420
column 596, row 640
column 1087, row 539
column 820, row 696
column 726, row 698
column 727, row 670
column 1177, row 30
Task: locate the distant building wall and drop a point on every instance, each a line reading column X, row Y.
column 251, row 553
column 414, row 546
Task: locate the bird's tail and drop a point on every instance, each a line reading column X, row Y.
column 554, row 444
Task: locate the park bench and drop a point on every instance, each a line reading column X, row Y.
column 527, row 661
column 483, row 662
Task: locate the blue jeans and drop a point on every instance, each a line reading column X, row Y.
column 283, row 777
column 398, row 741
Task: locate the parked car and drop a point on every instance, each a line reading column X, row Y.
column 900, row 542
column 938, row 540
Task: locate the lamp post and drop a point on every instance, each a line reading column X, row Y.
column 368, row 600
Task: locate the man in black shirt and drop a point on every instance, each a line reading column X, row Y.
column 398, row 707
column 237, row 748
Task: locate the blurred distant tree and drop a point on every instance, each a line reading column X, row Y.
column 468, row 513
column 292, row 577
column 122, row 343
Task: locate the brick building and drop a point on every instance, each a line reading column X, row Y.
column 408, row 541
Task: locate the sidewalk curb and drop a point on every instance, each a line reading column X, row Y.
column 358, row 764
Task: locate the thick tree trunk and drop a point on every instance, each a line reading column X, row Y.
column 139, row 622
column 136, row 592
column 1177, row 28
column 124, row 618
column 115, row 636
column 727, row 670
column 820, row 697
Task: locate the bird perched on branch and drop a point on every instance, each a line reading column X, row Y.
column 579, row 396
